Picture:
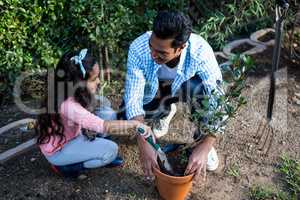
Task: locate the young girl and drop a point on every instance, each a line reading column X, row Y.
column 70, row 102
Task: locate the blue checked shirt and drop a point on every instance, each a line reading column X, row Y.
column 142, row 82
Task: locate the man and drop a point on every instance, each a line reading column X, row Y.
column 164, row 66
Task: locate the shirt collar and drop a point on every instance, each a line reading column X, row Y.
column 181, row 61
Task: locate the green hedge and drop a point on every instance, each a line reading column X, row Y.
column 26, row 28
column 35, row 33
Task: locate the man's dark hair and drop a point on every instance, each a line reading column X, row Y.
column 172, row 25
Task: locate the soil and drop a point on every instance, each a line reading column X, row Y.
column 242, row 48
column 267, row 37
column 178, row 161
column 28, row 176
column 15, row 137
column 220, row 59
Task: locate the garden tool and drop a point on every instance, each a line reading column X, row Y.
column 265, row 127
column 161, row 155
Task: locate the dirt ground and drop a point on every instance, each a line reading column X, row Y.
column 242, row 164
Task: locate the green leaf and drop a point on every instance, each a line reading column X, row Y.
column 205, row 103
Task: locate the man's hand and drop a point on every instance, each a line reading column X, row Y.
column 148, row 157
column 198, row 159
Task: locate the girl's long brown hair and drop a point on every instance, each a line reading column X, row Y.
column 66, row 74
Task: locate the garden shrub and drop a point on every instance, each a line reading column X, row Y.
column 35, row 33
column 232, row 18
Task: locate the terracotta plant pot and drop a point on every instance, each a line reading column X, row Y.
column 172, row 187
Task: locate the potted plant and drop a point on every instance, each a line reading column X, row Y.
column 176, row 185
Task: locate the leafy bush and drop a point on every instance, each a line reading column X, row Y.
column 35, row 33
column 232, row 18
column 25, row 27
column 227, row 105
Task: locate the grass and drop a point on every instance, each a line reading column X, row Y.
column 267, row 193
column 234, row 171
column 290, row 172
column 132, row 195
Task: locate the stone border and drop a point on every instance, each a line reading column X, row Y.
column 256, row 35
column 221, row 54
column 13, row 152
column 10, row 153
column 15, row 124
column 258, row 48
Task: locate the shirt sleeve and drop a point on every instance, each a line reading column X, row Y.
column 134, row 86
column 74, row 112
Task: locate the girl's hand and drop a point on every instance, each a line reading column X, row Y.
column 148, row 156
column 147, row 131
